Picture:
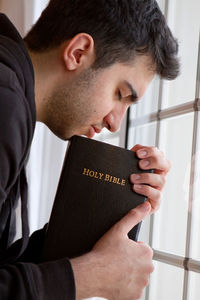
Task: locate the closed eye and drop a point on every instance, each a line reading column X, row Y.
column 119, row 95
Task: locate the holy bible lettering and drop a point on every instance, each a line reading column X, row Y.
column 105, row 177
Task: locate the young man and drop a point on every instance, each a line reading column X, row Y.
column 81, row 66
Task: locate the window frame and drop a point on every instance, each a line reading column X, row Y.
column 187, row 263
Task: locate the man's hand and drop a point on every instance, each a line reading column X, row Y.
column 150, row 184
column 117, row 268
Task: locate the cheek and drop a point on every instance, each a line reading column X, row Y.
column 99, row 101
column 101, row 110
column 103, row 102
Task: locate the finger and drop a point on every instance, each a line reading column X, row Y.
column 158, row 163
column 148, row 152
column 135, row 216
column 153, row 195
column 137, row 147
column 155, row 180
column 152, row 153
column 146, row 247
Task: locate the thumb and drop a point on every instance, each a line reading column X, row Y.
column 135, row 216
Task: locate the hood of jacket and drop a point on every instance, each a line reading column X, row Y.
column 14, row 55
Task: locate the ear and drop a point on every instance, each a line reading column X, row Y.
column 79, row 52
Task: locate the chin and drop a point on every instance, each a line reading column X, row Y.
column 61, row 135
column 67, row 135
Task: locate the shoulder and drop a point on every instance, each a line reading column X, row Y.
column 8, row 76
column 15, row 135
column 13, row 102
column 9, row 82
column 16, row 125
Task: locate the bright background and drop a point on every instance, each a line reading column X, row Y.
column 168, row 117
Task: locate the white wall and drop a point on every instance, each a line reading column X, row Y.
column 15, row 11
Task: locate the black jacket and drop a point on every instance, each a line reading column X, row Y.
column 22, row 276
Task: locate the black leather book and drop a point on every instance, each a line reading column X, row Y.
column 93, row 193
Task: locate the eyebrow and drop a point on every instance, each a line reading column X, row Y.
column 134, row 95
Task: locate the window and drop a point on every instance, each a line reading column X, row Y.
column 168, row 117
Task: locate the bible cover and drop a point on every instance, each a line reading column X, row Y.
column 93, row 193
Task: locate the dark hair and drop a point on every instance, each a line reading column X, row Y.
column 121, row 29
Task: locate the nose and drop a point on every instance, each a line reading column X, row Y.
column 114, row 119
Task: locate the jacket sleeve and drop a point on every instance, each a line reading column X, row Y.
column 25, row 279
column 33, row 252
column 28, row 279
column 46, row 281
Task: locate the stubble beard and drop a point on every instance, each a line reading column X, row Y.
column 68, row 108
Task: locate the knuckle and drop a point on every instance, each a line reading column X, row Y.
column 139, row 295
column 147, row 250
column 139, row 292
column 156, row 159
column 135, row 212
column 157, row 206
column 154, row 150
column 150, row 254
column 158, row 195
column 146, row 281
column 161, row 153
column 164, row 179
column 151, row 269
column 118, row 228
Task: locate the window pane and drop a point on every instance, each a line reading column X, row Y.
column 108, row 137
column 171, row 220
column 144, row 135
column 117, row 138
column 133, row 109
column 149, row 102
column 184, row 21
column 162, row 285
column 161, row 4
column 194, row 286
column 144, row 230
column 195, row 232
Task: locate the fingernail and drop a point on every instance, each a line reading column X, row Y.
column 144, row 163
column 142, row 153
column 135, row 176
column 144, row 206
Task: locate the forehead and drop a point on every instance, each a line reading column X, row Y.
column 140, row 66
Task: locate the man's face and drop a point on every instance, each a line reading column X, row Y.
column 96, row 99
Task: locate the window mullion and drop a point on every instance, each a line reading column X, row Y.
column 195, row 147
